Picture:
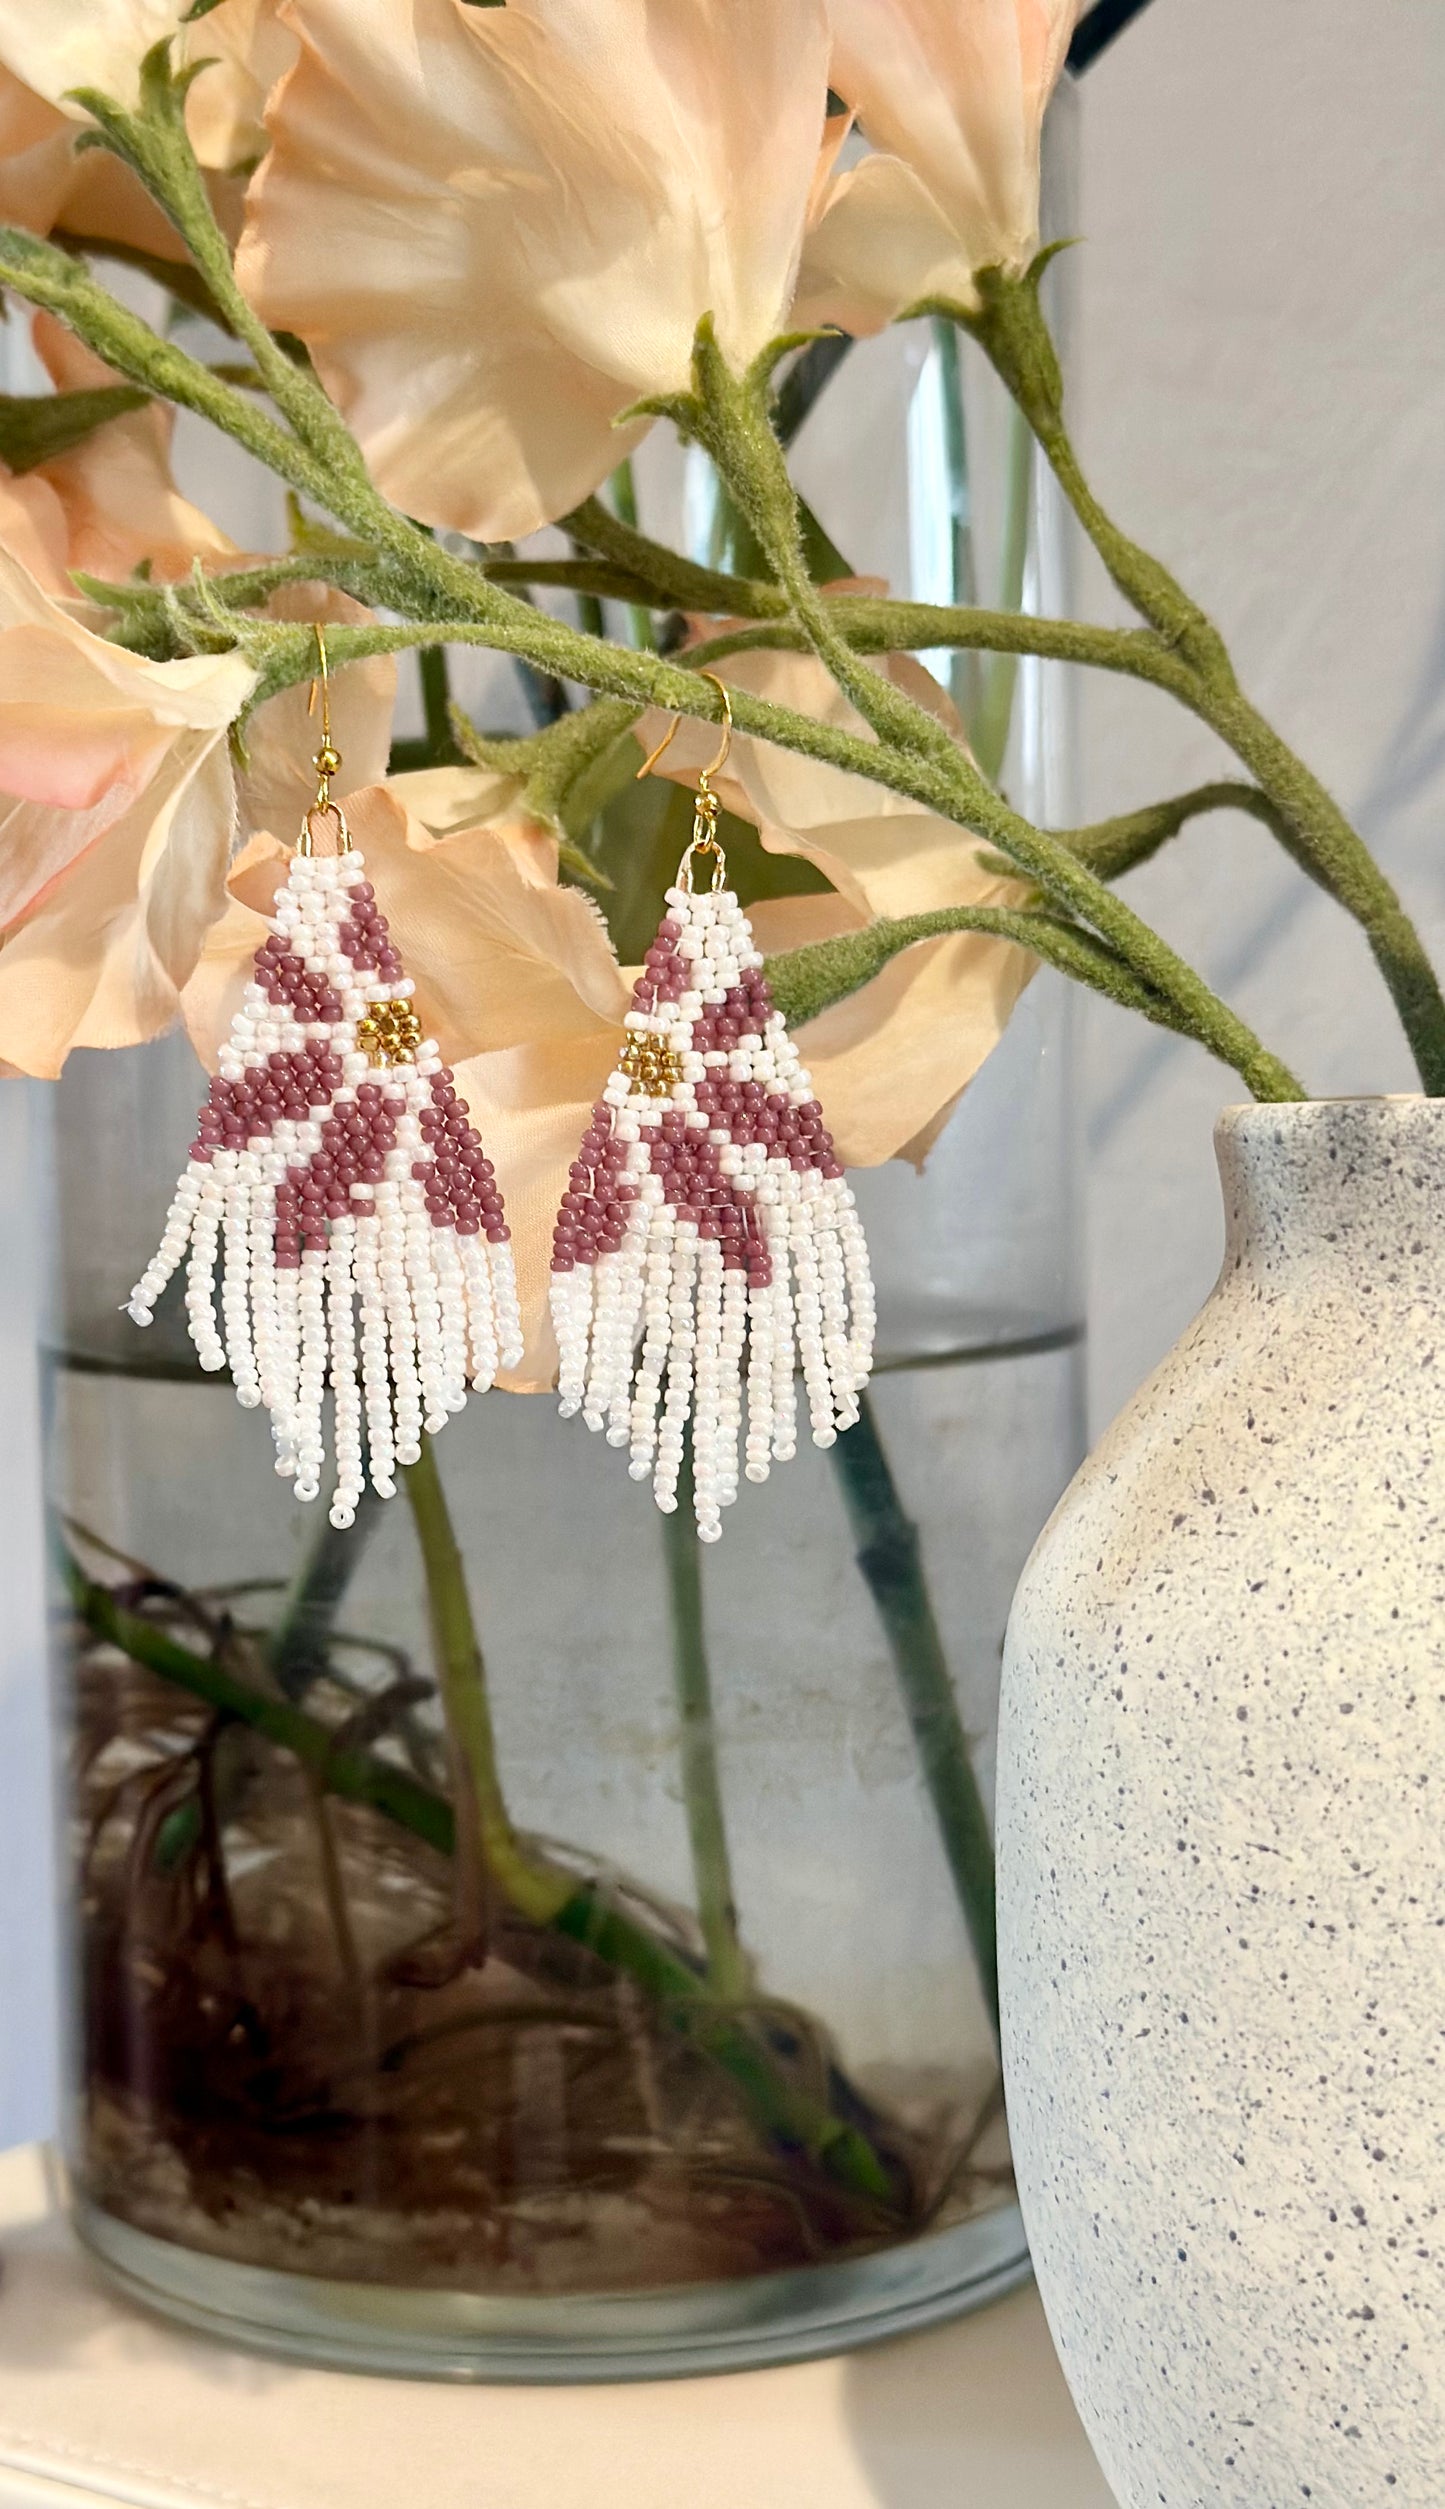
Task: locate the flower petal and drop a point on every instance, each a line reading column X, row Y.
column 33, row 529
column 53, row 45
column 43, row 183
column 101, row 960
column 444, row 800
column 115, row 823
column 955, row 96
column 881, row 242
column 495, row 229
column 120, row 502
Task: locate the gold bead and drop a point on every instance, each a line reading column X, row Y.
column 327, row 759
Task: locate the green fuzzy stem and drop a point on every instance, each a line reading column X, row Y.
column 414, row 574
column 675, row 580
column 730, row 416
column 794, row 2119
column 808, row 981
column 436, row 698
column 153, row 142
column 729, row 1970
column 889, row 1558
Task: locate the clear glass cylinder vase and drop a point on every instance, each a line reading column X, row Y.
column 672, row 2046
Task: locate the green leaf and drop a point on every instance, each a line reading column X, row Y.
column 39, row 427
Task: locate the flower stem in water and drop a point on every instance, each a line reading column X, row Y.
column 888, row 1555
column 728, row 1969
column 794, row 2118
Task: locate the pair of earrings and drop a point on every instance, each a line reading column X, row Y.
column 707, row 1251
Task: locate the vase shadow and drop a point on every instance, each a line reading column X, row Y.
column 976, row 2409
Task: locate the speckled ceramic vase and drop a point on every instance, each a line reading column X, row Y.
column 1222, row 1856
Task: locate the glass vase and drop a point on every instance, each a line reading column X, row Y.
column 665, row 2042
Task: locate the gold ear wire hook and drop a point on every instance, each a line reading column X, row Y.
column 706, row 801
column 705, row 805
column 327, row 758
column 323, row 683
column 714, row 765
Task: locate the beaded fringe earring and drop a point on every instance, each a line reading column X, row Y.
column 336, row 1176
column 709, row 1241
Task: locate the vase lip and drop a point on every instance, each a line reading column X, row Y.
column 1259, row 1115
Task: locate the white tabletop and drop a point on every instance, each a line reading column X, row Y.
column 101, row 2403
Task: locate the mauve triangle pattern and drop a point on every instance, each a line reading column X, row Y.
column 709, row 1239
column 348, row 1199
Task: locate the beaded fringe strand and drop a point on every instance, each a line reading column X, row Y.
column 338, row 1183
column 709, row 1249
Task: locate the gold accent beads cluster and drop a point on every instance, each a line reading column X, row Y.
column 652, row 1066
column 390, row 1033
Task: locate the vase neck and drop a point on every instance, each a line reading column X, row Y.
column 1353, row 1185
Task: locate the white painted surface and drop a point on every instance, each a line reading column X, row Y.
column 1261, row 345
column 99, row 2402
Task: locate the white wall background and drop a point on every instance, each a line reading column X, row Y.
column 1262, row 355
column 1259, row 389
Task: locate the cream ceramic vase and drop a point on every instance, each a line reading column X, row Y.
column 1222, row 1856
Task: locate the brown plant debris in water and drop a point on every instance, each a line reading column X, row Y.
column 292, row 2059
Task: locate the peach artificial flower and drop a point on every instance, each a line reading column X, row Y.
column 497, row 228
column 116, row 815
column 951, row 96
column 111, row 501
column 249, row 49
column 44, row 184
column 51, row 47
column 48, row 47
